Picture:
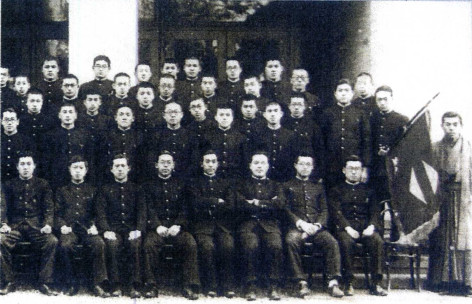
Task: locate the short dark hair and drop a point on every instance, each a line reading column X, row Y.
column 384, row 88
column 260, row 152
column 193, row 57
column 224, row 106
column 297, row 95
column 92, row 91
column 271, row 103
column 120, row 74
column 364, row 74
column 142, row 63
column 119, row 156
column 451, row 114
column 23, row 75
column 78, row 159
column 248, row 97
column 68, row 104
column 167, row 76
column 51, row 58
column 35, row 91
column 249, row 76
column 164, row 152
column 145, row 84
column 11, row 110
column 353, row 158
column 102, row 57
column 169, row 60
column 26, row 153
column 70, row 76
column 208, row 74
column 208, row 152
column 343, row 81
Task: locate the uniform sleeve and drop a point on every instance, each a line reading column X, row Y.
column 101, row 211
column 374, row 211
column 365, row 140
column 289, row 202
column 322, row 217
column 141, row 211
column 60, row 212
column 335, row 210
column 3, row 207
column 48, row 205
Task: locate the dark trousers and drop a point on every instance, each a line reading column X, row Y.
column 46, row 244
column 94, row 249
column 184, row 244
column 123, row 255
column 373, row 245
column 261, row 248
column 216, row 254
column 322, row 240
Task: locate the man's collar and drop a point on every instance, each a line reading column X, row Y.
column 26, row 179
column 227, row 129
column 234, row 81
column 70, row 99
column 275, row 128
column 342, row 105
column 149, row 107
column 210, row 176
column 305, row 179
column 351, row 183
column 259, row 178
column 303, row 115
column 124, row 130
column 70, row 127
column 16, row 132
column 162, row 98
column 164, row 177
column 50, row 81
column 177, row 127
column 77, row 184
column 121, row 181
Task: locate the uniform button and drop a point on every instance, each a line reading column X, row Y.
column 122, row 205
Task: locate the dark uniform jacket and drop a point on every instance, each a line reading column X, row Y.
column 345, row 132
column 29, row 202
column 231, row 92
column 166, row 203
column 188, row 90
column 208, row 213
column 385, row 129
column 278, row 91
column 127, row 142
column 306, row 201
column 104, row 87
column 313, row 104
column 52, row 94
column 75, row 205
column 36, row 125
column 121, row 208
column 19, row 104
column 56, row 105
column 199, row 129
column 114, row 103
column 7, row 96
column 269, row 212
column 353, row 205
column 12, row 147
column 368, row 105
column 249, row 127
column 147, row 121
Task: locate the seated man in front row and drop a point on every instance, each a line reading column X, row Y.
column 30, row 215
column 355, row 213
column 260, row 203
column 308, row 216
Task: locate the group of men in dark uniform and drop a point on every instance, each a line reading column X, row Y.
column 236, row 176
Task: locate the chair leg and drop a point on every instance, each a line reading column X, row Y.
column 412, row 270
column 387, row 269
column 365, row 263
column 418, row 269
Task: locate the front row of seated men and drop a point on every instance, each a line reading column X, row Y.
column 125, row 226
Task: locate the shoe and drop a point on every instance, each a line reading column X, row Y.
column 349, row 290
column 303, row 289
column 72, row 290
column 9, row 287
column 250, row 293
column 211, row 294
column 45, row 289
column 377, row 290
column 336, row 292
column 99, row 292
column 189, row 294
column 274, row 294
column 117, row 292
column 134, row 294
column 230, row 294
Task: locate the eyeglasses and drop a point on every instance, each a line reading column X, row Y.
column 172, row 112
column 98, row 66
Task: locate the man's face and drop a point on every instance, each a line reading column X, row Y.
column 50, row 70
column 143, row 72
column 4, row 76
column 10, row 122
column 101, row 69
column 273, row 70
column 210, row 164
column 249, row 109
column 353, row 171
column 145, row 96
column 297, row 106
column 121, row 86
column 70, row 87
column 343, row 94
column 304, row 166
column 299, row 80
column 233, row 70
column 452, row 127
column 252, row 86
column 384, row 101
column 273, row 114
column 120, row 169
column 67, row 115
column 165, row 165
column 22, row 85
column 192, row 68
column 93, row 102
column 124, row 117
column 364, row 86
column 259, row 165
column 224, row 118
column 78, row 170
column 208, row 86
column 166, row 87
column 170, row 68
column 173, row 114
column 34, row 103
column 198, row 108
column 26, row 167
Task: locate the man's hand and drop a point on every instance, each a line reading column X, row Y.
column 5, row 229
column 302, row 225
column 46, row 229
column 66, row 229
column 383, row 150
column 365, row 175
column 256, row 202
column 221, row 201
column 135, row 234
column 313, row 229
column 109, row 235
column 368, row 231
column 162, row 231
column 174, row 230
column 92, row 230
column 353, row 233
column 250, row 201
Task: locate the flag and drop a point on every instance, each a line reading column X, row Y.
column 413, row 179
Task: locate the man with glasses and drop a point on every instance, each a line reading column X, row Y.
column 299, row 81
column 232, row 88
column 101, row 68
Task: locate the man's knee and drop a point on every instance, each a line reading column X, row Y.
column 249, row 241
column 205, row 244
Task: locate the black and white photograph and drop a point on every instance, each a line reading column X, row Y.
column 233, row 151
